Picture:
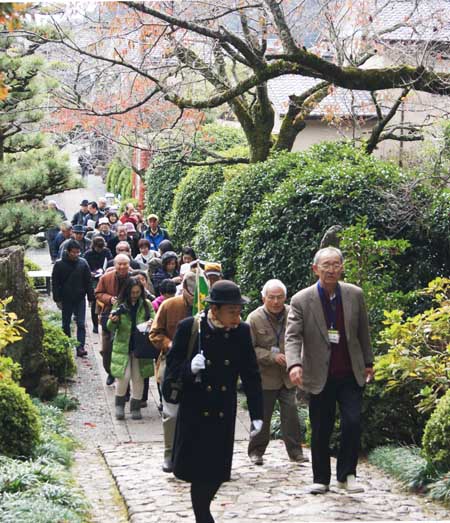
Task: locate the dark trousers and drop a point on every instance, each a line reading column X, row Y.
column 290, row 423
column 202, row 494
column 322, row 411
column 106, row 351
column 78, row 310
column 94, row 315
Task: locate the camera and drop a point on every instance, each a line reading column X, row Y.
column 121, row 309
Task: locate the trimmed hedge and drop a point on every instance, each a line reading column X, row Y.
column 191, row 198
column 20, row 426
column 218, row 232
column 58, row 350
column 285, row 229
column 166, row 172
column 436, row 439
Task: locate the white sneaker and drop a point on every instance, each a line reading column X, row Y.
column 351, row 486
column 319, row 488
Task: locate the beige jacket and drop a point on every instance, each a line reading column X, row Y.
column 264, row 338
column 170, row 312
column 307, row 336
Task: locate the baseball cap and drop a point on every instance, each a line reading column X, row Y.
column 84, row 203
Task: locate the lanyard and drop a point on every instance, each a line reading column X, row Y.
column 277, row 332
column 330, row 305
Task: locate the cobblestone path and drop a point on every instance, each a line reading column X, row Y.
column 118, row 465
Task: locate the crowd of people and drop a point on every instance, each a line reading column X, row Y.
column 136, row 283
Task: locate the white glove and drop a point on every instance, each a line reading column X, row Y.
column 198, row 363
column 255, row 427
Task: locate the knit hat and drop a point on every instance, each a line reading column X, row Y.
column 213, row 269
column 78, row 228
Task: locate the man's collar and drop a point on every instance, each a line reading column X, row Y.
column 276, row 317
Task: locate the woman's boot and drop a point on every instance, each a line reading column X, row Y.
column 135, row 409
column 120, row 407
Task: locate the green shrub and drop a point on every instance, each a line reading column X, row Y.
column 10, row 369
column 436, row 438
column 371, row 264
column 225, row 218
column 58, row 351
column 19, row 421
column 65, row 402
column 216, row 137
column 191, row 198
column 418, row 348
column 161, row 179
column 275, row 425
column 30, row 265
column 391, row 417
column 285, row 229
column 405, row 464
column 114, row 170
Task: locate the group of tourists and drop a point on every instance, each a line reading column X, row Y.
column 140, row 288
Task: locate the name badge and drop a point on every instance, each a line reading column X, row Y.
column 333, row 336
column 275, row 350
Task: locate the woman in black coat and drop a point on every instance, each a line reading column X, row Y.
column 204, row 436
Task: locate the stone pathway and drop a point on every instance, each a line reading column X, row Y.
column 118, row 463
column 274, row 492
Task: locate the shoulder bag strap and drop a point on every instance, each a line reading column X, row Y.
column 192, row 339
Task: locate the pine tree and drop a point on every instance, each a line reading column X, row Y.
column 30, row 168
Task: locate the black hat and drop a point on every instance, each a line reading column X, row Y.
column 84, row 203
column 225, row 292
column 78, row 228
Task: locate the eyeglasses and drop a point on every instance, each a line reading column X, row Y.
column 330, row 266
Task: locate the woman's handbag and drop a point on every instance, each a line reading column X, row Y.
column 143, row 347
column 172, row 387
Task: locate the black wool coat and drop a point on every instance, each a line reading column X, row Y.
column 204, row 436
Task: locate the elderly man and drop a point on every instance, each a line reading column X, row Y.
column 162, row 332
column 78, row 217
column 106, row 293
column 267, row 327
column 122, row 236
column 78, row 234
column 329, row 355
column 124, row 248
column 104, row 230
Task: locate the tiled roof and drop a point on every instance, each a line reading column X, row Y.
column 429, row 20
column 340, row 102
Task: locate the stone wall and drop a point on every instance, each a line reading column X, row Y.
column 28, row 351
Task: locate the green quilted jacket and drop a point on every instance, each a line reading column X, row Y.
column 122, row 333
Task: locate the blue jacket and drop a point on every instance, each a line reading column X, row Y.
column 156, row 239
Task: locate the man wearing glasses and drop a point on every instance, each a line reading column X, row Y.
column 329, row 355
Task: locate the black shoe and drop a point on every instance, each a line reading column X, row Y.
column 110, row 379
column 95, row 329
column 256, row 459
column 143, row 404
column 160, row 407
column 81, row 352
column 167, row 465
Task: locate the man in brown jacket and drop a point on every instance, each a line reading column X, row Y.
column 267, row 326
column 329, row 355
column 170, row 312
column 106, row 293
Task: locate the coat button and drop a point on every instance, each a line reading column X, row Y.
column 207, row 336
column 206, row 413
column 208, row 362
column 226, row 335
column 223, row 388
column 209, row 388
column 221, row 414
column 227, row 362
